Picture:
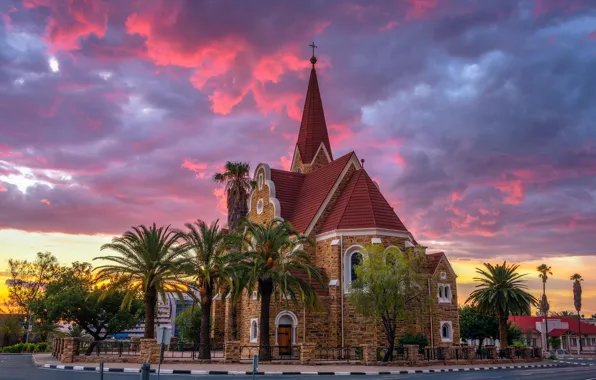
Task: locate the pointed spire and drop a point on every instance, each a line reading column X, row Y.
column 313, row 129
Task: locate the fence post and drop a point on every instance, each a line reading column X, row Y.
column 411, row 351
column 307, row 352
column 232, row 351
column 369, row 354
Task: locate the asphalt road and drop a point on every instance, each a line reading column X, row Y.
column 22, row 368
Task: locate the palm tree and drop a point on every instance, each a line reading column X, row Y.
column 275, row 261
column 147, row 262
column 238, row 187
column 210, row 267
column 501, row 292
column 237, row 285
column 75, row 331
column 577, row 302
column 544, row 270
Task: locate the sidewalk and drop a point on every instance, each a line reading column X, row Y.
column 48, row 361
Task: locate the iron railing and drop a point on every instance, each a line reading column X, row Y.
column 109, row 348
column 399, row 353
column 191, row 351
column 437, row 353
column 346, row 354
column 268, row 353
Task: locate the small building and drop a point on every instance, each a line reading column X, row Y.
column 566, row 328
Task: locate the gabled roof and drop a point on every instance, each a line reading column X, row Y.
column 301, row 195
column 313, row 128
column 361, row 205
column 433, row 260
column 557, row 332
column 314, row 190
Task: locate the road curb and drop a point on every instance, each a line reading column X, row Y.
column 574, row 363
column 327, row 373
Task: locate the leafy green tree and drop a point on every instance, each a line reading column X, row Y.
column 501, row 292
column 75, row 298
column 475, row 325
column 209, row 266
column 28, row 280
column 236, row 178
column 188, row 324
column 388, row 288
column 276, row 265
column 10, row 325
column 148, row 262
column 554, row 342
column 44, row 328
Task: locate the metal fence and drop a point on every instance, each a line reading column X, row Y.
column 437, row 353
column 109, row 348
column 191, row 351
column 346, row 354
column 399, row 353
column 268, row 353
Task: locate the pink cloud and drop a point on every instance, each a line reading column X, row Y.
column 390, row 25
column 421, row 8
column 592, row 35
column 46, row 202
column 220, row 196
column 71, row 20
column 2, row 188
column 200, row 168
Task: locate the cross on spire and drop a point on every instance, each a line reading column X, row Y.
column 313, row 59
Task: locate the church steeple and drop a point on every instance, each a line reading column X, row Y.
column 312, row 149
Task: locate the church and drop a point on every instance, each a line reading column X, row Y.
column 335, row 202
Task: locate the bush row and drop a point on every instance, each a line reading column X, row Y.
column 26, row 348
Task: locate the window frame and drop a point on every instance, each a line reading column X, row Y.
column 260, row 206
column 449, row 324
column 255, row 322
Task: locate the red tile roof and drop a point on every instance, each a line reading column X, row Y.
column 525, row 322
column 557, row 332
column 433, row 260
column 361, row 205
column 313, row 129
column 303, row 194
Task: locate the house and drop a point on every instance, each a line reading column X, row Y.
column 566, row 328
column 335, row 202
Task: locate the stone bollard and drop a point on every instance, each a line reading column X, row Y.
column 412, row 353
column 369, row 354
column 232, row 351
column 307, row 352
column 492, row 353
column 69, row 350
column 150, row 351
column 471, row 351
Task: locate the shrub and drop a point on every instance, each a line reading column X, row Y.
column 408, row 338
column 41, row 347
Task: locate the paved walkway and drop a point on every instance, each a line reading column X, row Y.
column 43, row 359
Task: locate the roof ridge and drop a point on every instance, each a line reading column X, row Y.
column 331, row 162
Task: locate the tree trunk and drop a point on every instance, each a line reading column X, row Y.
column 150, row 300
column 234, row 315
column 265, row 289
column 479, row 348
column 503, row 332
column 205, row 340
column 390, row 325
column 579, row 331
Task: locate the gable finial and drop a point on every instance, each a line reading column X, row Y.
column 313, row 59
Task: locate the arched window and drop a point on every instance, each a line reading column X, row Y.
column 254, row 330
column 260, row 206
column 355, row 259
column 447, row 293
column 260, row 181
column 441, row 292
column 446, row 331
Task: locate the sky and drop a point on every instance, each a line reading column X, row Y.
column 476, row 118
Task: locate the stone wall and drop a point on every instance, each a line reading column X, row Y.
column 261, row 194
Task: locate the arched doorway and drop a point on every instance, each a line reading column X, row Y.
column 286, row 323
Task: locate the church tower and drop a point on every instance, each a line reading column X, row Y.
column 312, row 149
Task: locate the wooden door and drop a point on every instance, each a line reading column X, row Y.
column 284, row 339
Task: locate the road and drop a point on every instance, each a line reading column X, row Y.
column 14, row 367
